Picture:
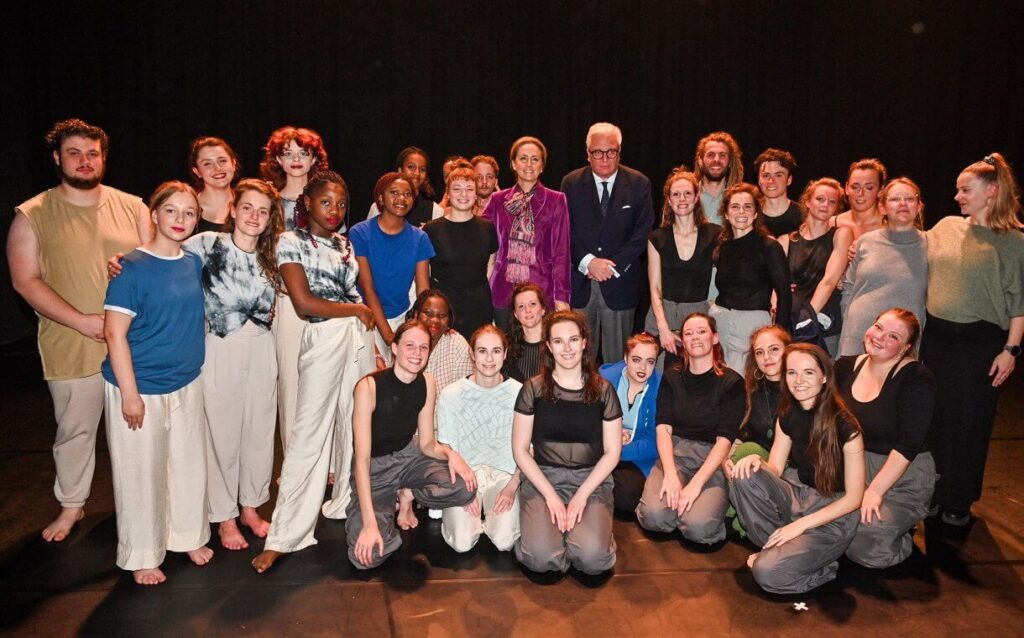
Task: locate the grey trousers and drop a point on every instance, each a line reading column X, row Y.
column 589, row 547
column 705, row 522
column 889, row 539
column 764, row 503
column 675, row 312
column 611, row 328
column 734, row 330
column 429, row 481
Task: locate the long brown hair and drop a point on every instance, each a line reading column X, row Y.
column 751, row 371
column 735, row 174
column 266, row 243
column 757, row 196
column 717, row 352
column 199, row 144
column 824, row 449
column 1005, row 215
column 592, row 381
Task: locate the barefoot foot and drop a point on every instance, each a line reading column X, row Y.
column 265, row 560
column 149, row 576
column 251, row 519
column 201, row 555
column 61, row 526
column 406, row 518
column 751, row 559
column 230, row 536
column 330, row 478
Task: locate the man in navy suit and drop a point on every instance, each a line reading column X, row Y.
column 610, row 215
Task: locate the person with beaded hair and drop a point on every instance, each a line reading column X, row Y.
column 972, row 336
column 320, row 269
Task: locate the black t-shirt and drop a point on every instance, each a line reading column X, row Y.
column 796, row 424
column 422, row 211
column 785, row 223
column 898, row 418
column 397, row 411
column 701, row 407
column 764, row 410
column 567, row 432
column 462, row 251
column 686, row 281
column 749, row 270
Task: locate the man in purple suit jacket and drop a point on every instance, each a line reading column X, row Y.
column 610, row 216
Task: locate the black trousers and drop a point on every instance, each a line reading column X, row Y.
column 960, row 355
column 629, row 487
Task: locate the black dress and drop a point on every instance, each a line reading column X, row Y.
column 459, row 268
column 808, row 259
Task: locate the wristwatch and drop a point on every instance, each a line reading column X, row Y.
column 1013, row 350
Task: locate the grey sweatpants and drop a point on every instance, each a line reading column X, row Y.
column 431, row 485
column 764, row 503
column 589, row 547
column 705, row 522
column 889, row 539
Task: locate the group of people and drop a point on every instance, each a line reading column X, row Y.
column 446, row 353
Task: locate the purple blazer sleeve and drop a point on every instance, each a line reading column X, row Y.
column 560, row 286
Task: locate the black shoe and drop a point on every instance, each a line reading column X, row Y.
column 956, row 517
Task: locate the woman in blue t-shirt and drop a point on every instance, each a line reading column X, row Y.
column 392, row 255
column 154, row 405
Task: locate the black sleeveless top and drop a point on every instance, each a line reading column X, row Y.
column 808, row 259
column 395, row 418
column 898, row 418
column 686, row 281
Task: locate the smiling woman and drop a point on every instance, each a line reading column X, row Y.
column 213, row 165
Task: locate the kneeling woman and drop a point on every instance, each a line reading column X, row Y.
column 154, row 401
column 474, row 418
column 700, row 406
column 805, row 516
column 572, row 418
column 393, row 426
column 893, row 397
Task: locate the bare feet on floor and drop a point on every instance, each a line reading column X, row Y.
column 406, row 518
column 265, row 560
column 149, row 576
column 61, row 526
column 750, row 560
column 251, row 519
column 230, row 536
column 201, row 555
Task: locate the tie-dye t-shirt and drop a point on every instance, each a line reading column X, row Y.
column 330, row 265
column 234, row 288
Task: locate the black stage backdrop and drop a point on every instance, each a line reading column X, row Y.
column 926, row 86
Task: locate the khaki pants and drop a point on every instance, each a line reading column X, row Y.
column 77, row 406
column 462, row 531
column 240, row 395
column 159, row 475
column 334, row 355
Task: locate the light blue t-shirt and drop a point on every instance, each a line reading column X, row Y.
column 164, row 298
column 393, row 260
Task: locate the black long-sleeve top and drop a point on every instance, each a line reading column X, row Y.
column 749, row 270
column 898, row 418
column 702, row 407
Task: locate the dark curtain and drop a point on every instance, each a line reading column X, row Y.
column 925, row 86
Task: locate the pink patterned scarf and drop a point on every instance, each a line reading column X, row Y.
column 521, row 251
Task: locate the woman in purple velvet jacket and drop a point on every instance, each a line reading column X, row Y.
column 533, row 233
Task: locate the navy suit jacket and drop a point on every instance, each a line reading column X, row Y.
column 621, row 236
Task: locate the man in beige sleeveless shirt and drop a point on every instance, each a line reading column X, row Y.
column 57, row 248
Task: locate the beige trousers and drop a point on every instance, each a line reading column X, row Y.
column 159, row 475
column 462, row 531
column 335, row 354
column 287, row 329
column 378, row 340
column 240, row 395
column 77, row 406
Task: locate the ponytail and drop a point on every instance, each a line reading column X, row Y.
column 1005, row 214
